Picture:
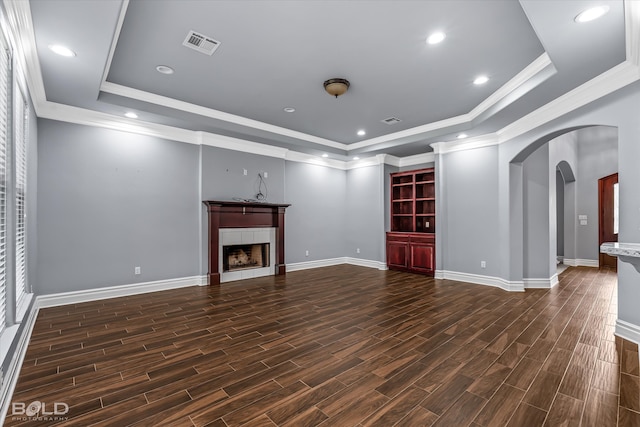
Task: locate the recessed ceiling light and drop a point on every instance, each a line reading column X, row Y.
column 131, row 115
column 462, row 136
column 356, row 158
column 592, row 13
column 480, row 80
column 61, row 50
column 361, row 132
column 436, row 38
column 325, row 155
column 289, row 109
column 164, row 69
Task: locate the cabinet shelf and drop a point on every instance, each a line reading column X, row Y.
column 411, row 241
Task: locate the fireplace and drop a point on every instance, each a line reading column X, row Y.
column 243, row 257
column 243, row 224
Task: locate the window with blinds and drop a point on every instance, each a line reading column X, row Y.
column 4, row 134
column 20, row 114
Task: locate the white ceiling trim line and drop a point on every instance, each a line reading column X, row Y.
column 235, row 144
column 114, row 41
column 632, row 31
column 213, row 114
column 611, row 80
column 82, row 116
column 19, row 16
column 538, row 66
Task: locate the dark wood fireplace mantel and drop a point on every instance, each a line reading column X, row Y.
column 231, row 214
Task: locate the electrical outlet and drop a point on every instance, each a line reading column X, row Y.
column 483, row 264
column 266, row 175
column 137, row 270
column 358, row 250
column 306, row 253
column 244, row 172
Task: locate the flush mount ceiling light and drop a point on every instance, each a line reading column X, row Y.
column 131, row 115
column 289, row 109
column 436, row 38
column 480, row 80
column 325, row 155
column 61, row 50
column 336, row 87
column 164, row 69
column 462, row 136
column 591, row 14
column 362, row 132
column 356, row 158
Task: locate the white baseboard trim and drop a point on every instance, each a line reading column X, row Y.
column 76, row 297
column 511, row 286
column 541, row 283
column 306, row 265
column 8, row 383
column 366, row 263
column 628, row 331
column 581, row 262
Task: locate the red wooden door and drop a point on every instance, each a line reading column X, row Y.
column 607, row 217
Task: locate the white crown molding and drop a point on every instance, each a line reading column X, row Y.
column 632, row 31
column 481, row 141
column 511, row 286
column 23, row 41
column 21, row 34
column 164, row 101
column 82, row 116
column 229, row 143
column 536, row 67
column 75, row 297
column 416, row 159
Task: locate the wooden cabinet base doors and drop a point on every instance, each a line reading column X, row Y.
column 412, row 252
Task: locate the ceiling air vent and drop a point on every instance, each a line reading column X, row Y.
column 391, row 120
column 201, row 43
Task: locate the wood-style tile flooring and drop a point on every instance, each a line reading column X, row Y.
column 339, row 346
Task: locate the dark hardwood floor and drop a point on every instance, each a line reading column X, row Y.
column 339, row 346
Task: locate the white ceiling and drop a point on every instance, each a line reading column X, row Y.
column 276, row 54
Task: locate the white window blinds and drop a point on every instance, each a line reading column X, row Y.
column 20, row 140
column 4, row 134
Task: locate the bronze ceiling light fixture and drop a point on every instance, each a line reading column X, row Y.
column 336, row 87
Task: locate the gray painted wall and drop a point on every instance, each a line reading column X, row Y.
column 315, row 221
column 468, row 201
column 537, row 224
column 365, row 213
column 109, row 201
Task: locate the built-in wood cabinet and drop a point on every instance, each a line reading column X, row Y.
column 411, row 241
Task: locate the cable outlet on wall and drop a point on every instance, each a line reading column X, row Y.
column 306, row 253
column 483, row 264
column 137, row 270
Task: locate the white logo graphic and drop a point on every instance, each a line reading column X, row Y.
column 40, row 411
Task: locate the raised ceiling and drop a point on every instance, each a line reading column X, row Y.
column 276, row 54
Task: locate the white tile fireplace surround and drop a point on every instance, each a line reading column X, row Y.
column 247, row 236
